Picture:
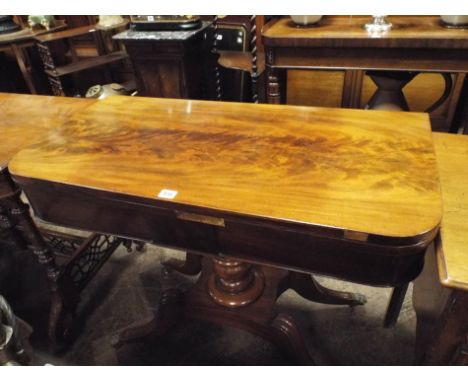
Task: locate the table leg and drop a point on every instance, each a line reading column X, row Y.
column 276, row 85
column 238, row 294
column 10, row 199
column 306, row 286
column 140, row 246
column 442, row 319
column 449, row 344
column 191, row 266
column 394, row 305
column 85, row 257
column 169, row 315
column 20, row 59
column 6, row 225
column 49, row 64
column 389, row 94
column 233, row 293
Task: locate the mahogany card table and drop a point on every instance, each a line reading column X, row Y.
column 25, row 119
column 260, row 196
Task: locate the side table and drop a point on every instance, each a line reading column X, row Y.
column 167, row 64
column 415, row 44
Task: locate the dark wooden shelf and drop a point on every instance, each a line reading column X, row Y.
column 87, row 63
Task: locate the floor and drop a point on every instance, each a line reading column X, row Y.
column 127, row 289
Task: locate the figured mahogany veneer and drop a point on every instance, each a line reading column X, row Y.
column 348, row 193
column 26, row 118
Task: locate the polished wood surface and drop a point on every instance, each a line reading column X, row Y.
column 347, row 31
column 452, row 255
column 25, row 119
column 366, row 173
column 440, row 293
column 265, row 193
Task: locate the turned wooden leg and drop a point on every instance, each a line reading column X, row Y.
column 389, row 94
column 276, row 86
column 19, row 213
column 7, row 225
column 306, row 286
column 49, row 64
column 273, row 87
column 243, row 296
column 233, row 293
column 191, row 266
column 47, row 259
column 234, row 283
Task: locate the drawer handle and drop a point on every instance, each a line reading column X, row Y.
column 200, row 218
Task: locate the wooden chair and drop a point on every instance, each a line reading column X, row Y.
column 251, row 62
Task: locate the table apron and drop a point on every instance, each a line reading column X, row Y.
column 421, row 60
column 358, row 261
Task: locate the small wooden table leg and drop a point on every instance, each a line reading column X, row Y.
column 394, row 305
column 276, row 82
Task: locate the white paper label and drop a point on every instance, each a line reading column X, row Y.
column 167, row 194
column 150, row 18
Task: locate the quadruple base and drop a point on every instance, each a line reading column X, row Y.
column 252, row 306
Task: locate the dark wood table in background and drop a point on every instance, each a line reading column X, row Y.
column 415, row 44
column 260, row 195
column 167, row 64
